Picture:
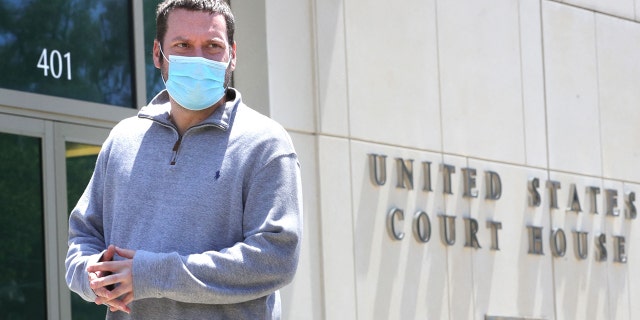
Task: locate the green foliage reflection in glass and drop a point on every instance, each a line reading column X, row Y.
column 22, row 267
column 154, row 80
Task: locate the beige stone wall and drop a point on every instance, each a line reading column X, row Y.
column 527, row 89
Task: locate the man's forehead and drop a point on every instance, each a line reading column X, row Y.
column 190, row 19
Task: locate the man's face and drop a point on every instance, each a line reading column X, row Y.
column 195, row 34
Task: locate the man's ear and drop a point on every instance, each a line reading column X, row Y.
column 232, row 64
column 157, row 56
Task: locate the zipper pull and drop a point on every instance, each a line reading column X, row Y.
column 176, row 146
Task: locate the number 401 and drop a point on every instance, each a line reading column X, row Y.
column 53, row 62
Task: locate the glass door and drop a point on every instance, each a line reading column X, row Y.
column 44, row 168
column 78, row 147
column 23, row 285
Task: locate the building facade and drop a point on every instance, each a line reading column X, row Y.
column 461, row 159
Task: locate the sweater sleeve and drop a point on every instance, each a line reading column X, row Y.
column 86, row 236
column 264, row 262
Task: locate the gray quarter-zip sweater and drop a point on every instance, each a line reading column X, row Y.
column 215, row 216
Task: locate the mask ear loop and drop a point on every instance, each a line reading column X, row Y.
column 162, row 53
column 165, row 58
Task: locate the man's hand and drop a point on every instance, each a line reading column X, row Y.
column 105, row 274
column 107, row 256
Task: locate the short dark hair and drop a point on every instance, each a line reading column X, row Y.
column 211, row 6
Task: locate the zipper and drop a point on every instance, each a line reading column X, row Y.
column 176, row 147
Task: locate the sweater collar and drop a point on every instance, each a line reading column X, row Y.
column 159, row 109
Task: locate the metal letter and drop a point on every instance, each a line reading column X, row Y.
column 426, row 171
column 592, row 192
column 405, row 173
column 494, row 226
column 535, row 240
column 448, row 226
column 494, row 185
column 581, row 247
column 471, row 225
column 630, row 209
column 620, row 253
column 422, row 226
column 574, row 201
column 378, row 175
column 601, row 242
column 534, row 196
column 469, row 178
column 553, row 187
column 447, row 170
column 611, row 202
column 558, row 243
column 391, row 223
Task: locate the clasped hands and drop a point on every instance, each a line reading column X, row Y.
column 112, row 280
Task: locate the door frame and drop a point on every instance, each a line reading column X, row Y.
column 63, row 133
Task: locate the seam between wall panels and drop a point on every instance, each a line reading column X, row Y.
column 317, row 123
column 349, row 148
column 546, row 130
column 599, row 106
column 441, row 151
column 522, row 99
column 596, row 10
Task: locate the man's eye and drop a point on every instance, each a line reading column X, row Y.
column 182, row 45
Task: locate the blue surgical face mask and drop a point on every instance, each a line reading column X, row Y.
column 196, row 83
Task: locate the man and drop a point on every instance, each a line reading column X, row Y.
column 194, row 210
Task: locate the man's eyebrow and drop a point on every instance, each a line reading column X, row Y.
column 210, row 40
column 216, row 40
column 179, row 38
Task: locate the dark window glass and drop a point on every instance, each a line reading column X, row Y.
column 68, row 48
column 22, row 266
column 154, row 81
column 81, row 160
